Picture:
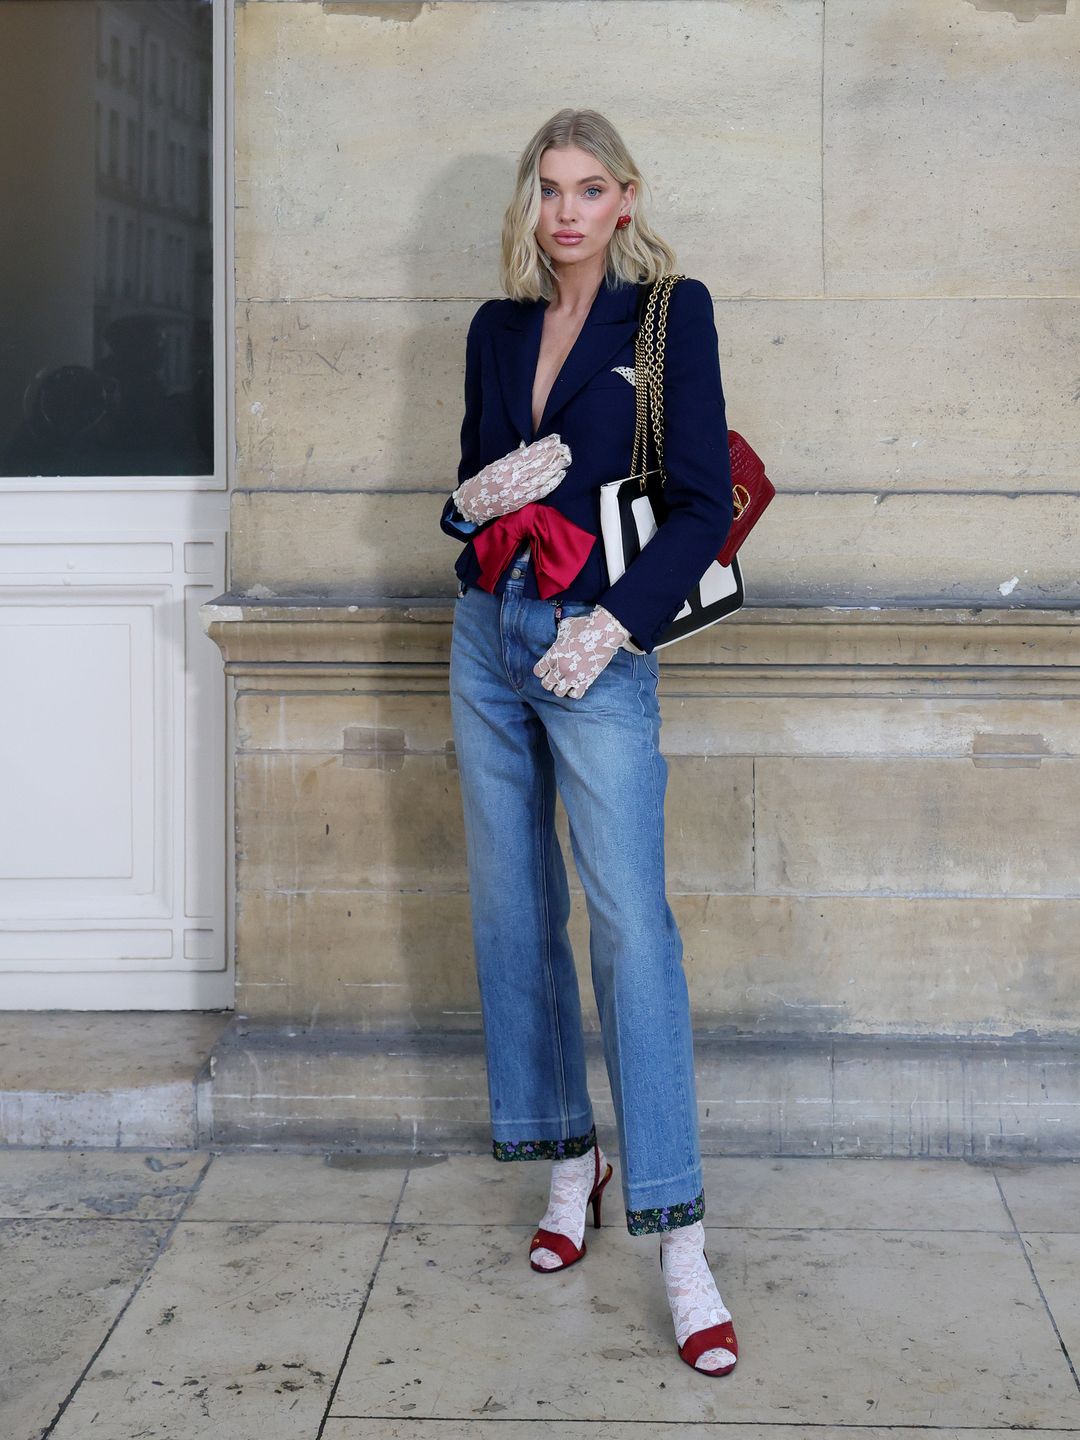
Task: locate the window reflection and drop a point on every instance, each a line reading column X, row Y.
column 106, row 258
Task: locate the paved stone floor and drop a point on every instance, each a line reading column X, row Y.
column 250, row 1296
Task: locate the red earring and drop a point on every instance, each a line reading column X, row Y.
column 622, row 222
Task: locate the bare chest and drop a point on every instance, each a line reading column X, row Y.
column 556, row 341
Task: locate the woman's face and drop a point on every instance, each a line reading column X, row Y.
column 580, row 202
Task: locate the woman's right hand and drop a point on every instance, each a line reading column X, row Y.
column 517, row 479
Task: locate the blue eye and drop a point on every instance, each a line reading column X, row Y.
column 589, row 189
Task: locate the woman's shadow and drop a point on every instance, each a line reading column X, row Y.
column 425, row 850
column 454, row 267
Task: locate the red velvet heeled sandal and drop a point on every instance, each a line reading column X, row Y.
column 562, row 1245
column 713, row 1337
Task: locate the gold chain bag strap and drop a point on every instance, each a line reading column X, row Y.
column 649, row 348
column 752, row 490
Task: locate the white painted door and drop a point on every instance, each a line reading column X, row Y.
column 113, row 486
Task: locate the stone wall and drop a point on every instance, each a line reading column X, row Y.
column 874, row 779
column 882, row 198
column 864, row 834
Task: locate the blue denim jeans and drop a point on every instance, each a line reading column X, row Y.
column 515, row 743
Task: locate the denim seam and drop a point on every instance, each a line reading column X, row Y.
column 503, row 647
column 544, row 1120
column 683, row 1179
column 654, row 760
column 615, row 969
column 552, row 989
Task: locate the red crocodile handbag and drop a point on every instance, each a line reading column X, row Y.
column 751, row 490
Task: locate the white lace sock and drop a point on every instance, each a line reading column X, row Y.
column 691, row 1290
column 571, row 1184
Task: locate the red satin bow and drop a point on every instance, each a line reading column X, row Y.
column 560, row 548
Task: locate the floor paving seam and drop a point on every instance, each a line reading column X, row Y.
column 1036, row 1282
column 171, row 1228
column 363, row 1309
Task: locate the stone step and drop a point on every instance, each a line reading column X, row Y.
column 75, row 1079
column 979, row 1098
column 124, row 1079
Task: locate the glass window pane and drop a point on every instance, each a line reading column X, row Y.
column 106, row 242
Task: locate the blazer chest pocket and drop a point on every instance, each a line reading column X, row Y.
column 613, row 384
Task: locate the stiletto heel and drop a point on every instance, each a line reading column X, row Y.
column 595, row 1198
column 562, row 1245
column 713, row 1337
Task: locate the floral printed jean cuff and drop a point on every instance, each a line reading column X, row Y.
column 638, row 1222
column 544, row 1149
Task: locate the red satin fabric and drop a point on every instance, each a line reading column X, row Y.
column 559, row 547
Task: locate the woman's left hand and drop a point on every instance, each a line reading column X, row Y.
column 583, row 646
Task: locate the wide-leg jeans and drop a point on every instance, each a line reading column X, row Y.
column 516, row 742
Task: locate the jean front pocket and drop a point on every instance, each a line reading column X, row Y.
column 569, row 610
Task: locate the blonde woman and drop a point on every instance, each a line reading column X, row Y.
column 547, row 694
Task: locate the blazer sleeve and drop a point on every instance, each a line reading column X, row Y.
column 452, row 520
column 654, row 586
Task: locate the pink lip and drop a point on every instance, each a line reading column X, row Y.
column 568, row 237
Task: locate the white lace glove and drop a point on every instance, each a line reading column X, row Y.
column 582, row 647
column 526, row 474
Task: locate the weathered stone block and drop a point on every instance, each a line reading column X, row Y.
column 368, row 394
column 950, row 163
column 850, row 549
column 884, row 965
column 371, row 960
column 319, row 722
column 806, row 752
column 361, row 819
column 918, row 826
column 759, row 964
column 382, row 818
column 337, row 112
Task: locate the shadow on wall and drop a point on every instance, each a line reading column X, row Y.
column 425, row 833
column 459, row 215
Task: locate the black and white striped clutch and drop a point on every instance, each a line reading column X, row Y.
column 629, row 518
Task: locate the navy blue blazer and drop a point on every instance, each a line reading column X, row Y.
column 592, row 407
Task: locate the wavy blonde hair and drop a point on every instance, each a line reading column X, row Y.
column 635, row 254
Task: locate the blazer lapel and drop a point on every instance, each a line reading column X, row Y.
column 611, row 321
column 517, row 345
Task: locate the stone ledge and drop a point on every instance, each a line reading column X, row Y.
column 979, row 1098
column 311, row 635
